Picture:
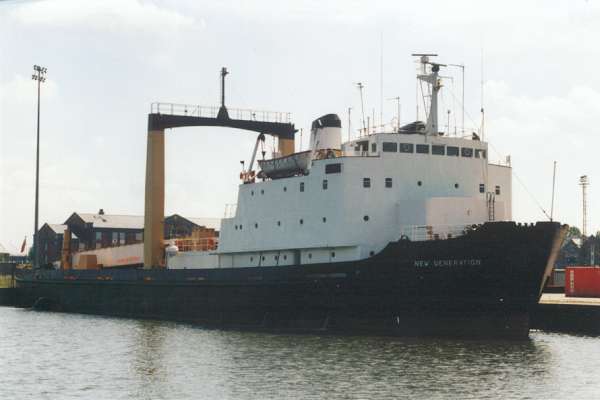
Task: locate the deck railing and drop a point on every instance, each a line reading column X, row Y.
column 193, row 110
column 191, row 244
column 230, row 210
column 417, row 233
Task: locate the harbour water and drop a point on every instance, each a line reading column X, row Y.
column 65, row 356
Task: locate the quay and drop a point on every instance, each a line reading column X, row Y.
column 558, row 313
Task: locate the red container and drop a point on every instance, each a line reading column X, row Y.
column 582, row 281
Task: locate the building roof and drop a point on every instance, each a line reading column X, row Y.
column 3, row 249
column 214, row 223
column 58, row 228
column 113, row 221
column 137, row 221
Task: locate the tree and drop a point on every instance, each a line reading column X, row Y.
column 573, row 233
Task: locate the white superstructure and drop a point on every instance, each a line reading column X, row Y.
column 359, row 196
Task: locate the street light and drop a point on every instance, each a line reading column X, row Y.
column 39, row 75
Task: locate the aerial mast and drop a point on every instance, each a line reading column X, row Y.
column 584, row 183
column 360, row 87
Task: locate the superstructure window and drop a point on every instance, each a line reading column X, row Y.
column 480, row 153
column 498, row 190
column 324, row 184
column 482, row 188
column 373, row 147
column 302, row 186
column 389, row 147
column 423, row 148
column 438, row 150
column 407, row 148
column 388, row 182
column 466, row 152
column 452, row 151
column 366, row 182
column 333, row 168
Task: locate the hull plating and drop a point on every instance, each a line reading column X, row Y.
column 483, row 284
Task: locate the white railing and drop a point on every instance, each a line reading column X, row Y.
column 417, row 233
column 230, row 210
column 212, row 112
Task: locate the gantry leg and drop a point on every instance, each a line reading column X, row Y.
column 154, row 210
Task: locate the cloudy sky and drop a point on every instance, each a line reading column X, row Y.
column 108, row 60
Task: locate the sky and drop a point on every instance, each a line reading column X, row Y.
column 108, row 60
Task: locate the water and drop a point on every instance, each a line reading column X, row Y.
column 66, row 356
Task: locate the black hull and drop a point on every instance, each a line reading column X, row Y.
column 482, row 284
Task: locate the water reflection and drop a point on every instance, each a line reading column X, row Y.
column 69, row 356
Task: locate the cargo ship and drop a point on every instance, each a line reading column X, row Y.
column 400, row 231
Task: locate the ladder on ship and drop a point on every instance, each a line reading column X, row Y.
column 491, row 206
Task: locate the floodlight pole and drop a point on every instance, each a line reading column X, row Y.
column 39, row 75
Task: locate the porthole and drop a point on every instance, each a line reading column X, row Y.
column 366, row 218
column 324, row 219
column 419, row 183
column 456, row 185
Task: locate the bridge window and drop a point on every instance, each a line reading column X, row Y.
column 438, row 150
column 466, row 152
column 482, row 188
column 389, row 147
column 423, row 148
column 324, row 184
column 366, row 182
column 407, row 148
column 333, row 168
column 302, row 186
column 498, row 190
column 479, row 153
column 452, row 151
column 373, row 147
column 388, row 182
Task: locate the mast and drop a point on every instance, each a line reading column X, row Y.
column 433, row 79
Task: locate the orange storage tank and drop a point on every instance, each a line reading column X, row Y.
column 582, row 281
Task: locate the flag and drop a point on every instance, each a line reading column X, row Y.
column 23, row 245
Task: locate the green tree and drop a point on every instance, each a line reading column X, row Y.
column 573, row 233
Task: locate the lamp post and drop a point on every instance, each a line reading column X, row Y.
column 39, row 75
